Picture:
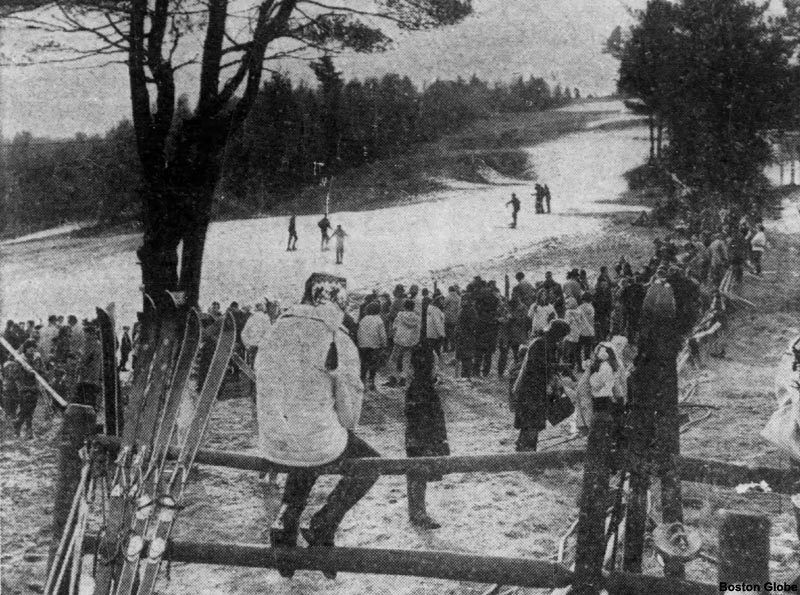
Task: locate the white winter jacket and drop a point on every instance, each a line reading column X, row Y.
column 435, row 323
column 304, row 411
column 255, row 328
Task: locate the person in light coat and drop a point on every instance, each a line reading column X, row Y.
column 254, row 330
column 371, row 343
column 309, row 398
column 405, row 335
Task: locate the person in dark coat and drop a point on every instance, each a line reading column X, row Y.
column 531, row 392
column 89, row 388
column 292, row 244
column 603, row 302
column 426, row 432
column 487, row 302
column 513, row 332
column 466, row 329
column 125, row 348
column 28, row 389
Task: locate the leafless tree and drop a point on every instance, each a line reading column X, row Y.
column 228, row 42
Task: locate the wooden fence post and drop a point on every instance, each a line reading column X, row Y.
column 743, row 548
column 78, row 426
column 591, row 537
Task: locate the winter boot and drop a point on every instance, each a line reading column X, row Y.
column 283, row 533
column 320, row 535
column 416, row 505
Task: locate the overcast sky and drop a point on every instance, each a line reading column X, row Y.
column 559, row 40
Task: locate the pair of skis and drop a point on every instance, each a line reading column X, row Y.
column 138, row 479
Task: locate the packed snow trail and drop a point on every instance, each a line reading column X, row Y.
column 246, row 260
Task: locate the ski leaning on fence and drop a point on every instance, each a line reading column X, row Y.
column 68, row 557
column 154, row 358
column 111, row 392
column 169, row 502
column 151, row 478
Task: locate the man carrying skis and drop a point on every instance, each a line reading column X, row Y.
column 515, row 205
column 324, row 225
column 309, row 402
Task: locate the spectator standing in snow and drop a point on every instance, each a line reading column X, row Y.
column 523, row 291
column 452, row 307
column 254, row 330
column 540, row 314
column 758, row 244
column 405, row 335
column 27, row 389
column 89, row 386
column 426, row 432
column 371, row 343
column 530, row 395
column 465, row 337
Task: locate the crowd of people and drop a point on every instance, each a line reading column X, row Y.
column 67, row 354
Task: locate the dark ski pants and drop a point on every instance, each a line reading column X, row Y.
column 483, row 359
column 585, row 345
column 27, row 406
column 502, row 359
column 528, row 440
column 370, row 362
column 339, row 254
column 123, row 360
column 466, row 366
column 755, row 256
column 346, row 494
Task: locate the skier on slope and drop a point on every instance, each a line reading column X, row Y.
column 340, row 235
column 324, row 226
column 309, row 402
column 292, row 244
column 515, row 206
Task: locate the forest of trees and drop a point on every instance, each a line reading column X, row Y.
column 292, row 130
column 714, row 77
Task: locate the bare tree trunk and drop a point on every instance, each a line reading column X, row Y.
column 651, row 124
column 659, row 139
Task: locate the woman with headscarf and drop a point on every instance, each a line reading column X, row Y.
column 426, row 432
column 540, row 314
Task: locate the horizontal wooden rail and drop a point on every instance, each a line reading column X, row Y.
column 429, row 564
column 493, row 463
column 706, row 471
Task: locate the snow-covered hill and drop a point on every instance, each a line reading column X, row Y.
column 246, row 259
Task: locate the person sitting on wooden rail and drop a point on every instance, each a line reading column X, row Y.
column 309, row 397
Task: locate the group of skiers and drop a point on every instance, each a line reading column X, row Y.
column 325, row 226
column 542, row 197
column 68, row 355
